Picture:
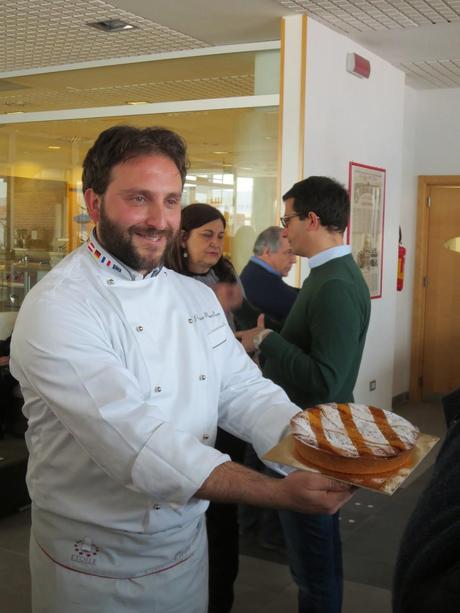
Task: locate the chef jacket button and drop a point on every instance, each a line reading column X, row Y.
column 156, row 507
column 202, row 377
column 205, row 436
column 157, row 388
column 139, row 328
column 110, row 282
column 190, row 320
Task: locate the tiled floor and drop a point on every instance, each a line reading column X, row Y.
column 371, row 528
column 14, row 568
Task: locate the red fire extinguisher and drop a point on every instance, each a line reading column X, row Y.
column 401, row 261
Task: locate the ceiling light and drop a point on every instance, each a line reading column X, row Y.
column 111, row 25
column 220, row 152
column 53, row 147
column 15, row 113
column 134, row 102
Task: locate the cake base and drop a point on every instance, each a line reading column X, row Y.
column 283, row 457
column 351, row 466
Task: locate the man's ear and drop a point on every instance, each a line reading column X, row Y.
column 93, row 204
column 314, row 222
column 266, row 252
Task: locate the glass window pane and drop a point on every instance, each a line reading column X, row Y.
column 42, row 213
column 191, row 78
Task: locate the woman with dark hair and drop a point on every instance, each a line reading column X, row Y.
column 198, row 253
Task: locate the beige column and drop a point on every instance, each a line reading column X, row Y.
column 292, row 111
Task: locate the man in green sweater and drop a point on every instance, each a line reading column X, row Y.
column 315, row 359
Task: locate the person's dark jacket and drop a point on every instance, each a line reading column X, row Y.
column 5, row 346
column 427, row 575
column 267, row 291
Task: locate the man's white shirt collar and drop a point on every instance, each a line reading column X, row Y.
column 329, row 254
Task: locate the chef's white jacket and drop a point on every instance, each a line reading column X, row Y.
column 125, row 381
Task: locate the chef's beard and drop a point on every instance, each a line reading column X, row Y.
column 120, row 242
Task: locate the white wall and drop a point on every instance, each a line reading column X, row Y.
column 437, row 149
column 408, row 217
column 352, row 119
column 431, row 147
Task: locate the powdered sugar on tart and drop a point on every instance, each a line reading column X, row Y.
column 354, row 430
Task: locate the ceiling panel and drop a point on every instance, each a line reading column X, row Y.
column 39, row 33
column 436, row 74
column 371, row 19
column 43, row 33
column 377, row 15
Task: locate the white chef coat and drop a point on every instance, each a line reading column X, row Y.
column 125, row 380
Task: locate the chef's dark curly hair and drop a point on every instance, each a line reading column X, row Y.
column 121, row 143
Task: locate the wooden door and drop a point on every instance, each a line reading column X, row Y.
column 441, row 338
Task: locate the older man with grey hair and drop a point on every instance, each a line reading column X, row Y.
column 262, row 277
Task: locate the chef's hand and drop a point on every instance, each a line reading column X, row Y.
column 229, row 295
column 300, row 491
column 312, row 493
column 247, row 336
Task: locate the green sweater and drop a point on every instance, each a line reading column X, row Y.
column 316, row 356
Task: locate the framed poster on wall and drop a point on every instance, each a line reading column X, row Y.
column 365, row 230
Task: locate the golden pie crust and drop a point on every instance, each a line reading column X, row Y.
column 353, row 438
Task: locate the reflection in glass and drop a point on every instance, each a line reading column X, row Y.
column 187, row 78
column 42, row 212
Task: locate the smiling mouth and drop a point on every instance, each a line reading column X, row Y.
column 155, row 237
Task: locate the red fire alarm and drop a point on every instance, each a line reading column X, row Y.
column 358, row 65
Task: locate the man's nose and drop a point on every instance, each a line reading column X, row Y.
column 156, row 215
column 284, row 233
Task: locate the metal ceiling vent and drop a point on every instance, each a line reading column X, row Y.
column 112, row 25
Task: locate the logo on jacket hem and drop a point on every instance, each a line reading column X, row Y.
column 85, row 552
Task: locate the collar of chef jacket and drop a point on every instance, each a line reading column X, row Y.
column 107, row 261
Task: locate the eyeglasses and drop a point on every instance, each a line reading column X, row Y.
column 287, row 218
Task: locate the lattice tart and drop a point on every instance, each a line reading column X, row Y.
column 355, row 439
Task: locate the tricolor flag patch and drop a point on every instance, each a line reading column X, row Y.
column 102, row 259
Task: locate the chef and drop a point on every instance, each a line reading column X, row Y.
column 126, row 369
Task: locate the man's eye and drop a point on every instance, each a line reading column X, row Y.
column 139, row 198
column 172, row 202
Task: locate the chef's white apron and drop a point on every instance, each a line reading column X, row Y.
column 180, row 588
